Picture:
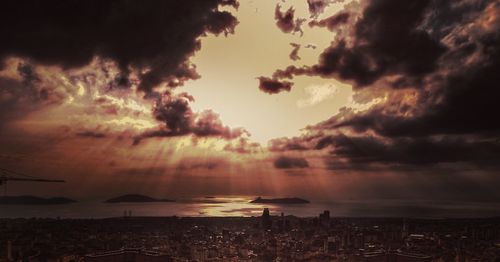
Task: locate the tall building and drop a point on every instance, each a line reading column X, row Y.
column 330, row 245
column 265, row 213
column 9, row 250
column 324, row 218
column 266, row 222
column 404, row 231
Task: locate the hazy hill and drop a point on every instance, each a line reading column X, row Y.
column 135, row 198
column 293, row 200
column 33, row 200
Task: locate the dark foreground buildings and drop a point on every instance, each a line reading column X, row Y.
column 128, row 255
column 265, row 238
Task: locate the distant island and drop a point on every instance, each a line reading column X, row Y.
column 293, row 200
column 135, row 198
column 33, row 200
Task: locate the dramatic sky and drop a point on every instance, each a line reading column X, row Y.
column 322, row 99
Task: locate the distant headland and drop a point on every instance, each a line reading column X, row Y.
column 135, row 198
column 33, row 200
column 293, row 200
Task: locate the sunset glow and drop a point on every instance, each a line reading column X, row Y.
column 343, row 100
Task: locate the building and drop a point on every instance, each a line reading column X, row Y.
column 266, row 219
column 128, row 255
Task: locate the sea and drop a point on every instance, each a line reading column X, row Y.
column 224, row 206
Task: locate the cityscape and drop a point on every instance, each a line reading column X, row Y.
column 270, row 237
column 249, row 130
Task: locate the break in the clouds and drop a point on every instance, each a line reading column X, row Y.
column 179, row 120
column 317, row 94
column 154, row 38
column 436, row 65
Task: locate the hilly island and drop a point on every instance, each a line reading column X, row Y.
column 135, row 198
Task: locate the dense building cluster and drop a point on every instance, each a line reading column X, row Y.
column 265, row 238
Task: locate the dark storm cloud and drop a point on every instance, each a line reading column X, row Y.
column 385, row 41
column 176, row 113
column 316, row 7
column 437, row 62
column 273, row 86
column 178, row 119
column 413, row 151
column 154, row 37
column 208, row 123
column 146, row 171
column 284, row 144
column 331, row 22
column 347, row 152
column 91, row 134
column 27, row 73
column 293, row 143
column 189, row 164
column 457, row 99
column 13, row 94
column 463, row 102
column 20, row 96
column 286, row 21
column 285, row 162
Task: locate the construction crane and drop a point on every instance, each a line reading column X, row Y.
column 9, row 175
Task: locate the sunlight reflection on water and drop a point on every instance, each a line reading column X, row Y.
column 241, row 206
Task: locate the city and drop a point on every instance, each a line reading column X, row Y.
column 249, row 130
column 267, row 238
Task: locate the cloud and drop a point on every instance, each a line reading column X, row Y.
column 155, row 39
column 413, row 151
column 294, row 55
column 243, row 146
column 91, row 134
column 286, row 22
column 316, row 7
column 201, row 164
column 22, row 93
column 294, row 143
column 433, row 113
column 331, row 22
column 190, row 165
column 208, row 123
column 317, row 94
column 384, row 41
column 273, row 86
column 310, row 45
column 178, row 119
column 461, row 101
column 284, row 162
column 141, row 171
column 368, row 152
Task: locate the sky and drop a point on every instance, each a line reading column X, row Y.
column 322, row 99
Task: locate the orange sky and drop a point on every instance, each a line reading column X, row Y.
column 98, row 138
